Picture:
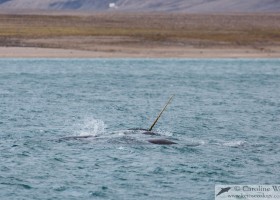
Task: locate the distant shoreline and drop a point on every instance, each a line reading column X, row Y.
column 140, row 35
column 31, row 52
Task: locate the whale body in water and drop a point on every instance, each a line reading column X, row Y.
column 143, row 131
column 153, row 140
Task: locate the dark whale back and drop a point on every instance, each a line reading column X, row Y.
column 161, row 141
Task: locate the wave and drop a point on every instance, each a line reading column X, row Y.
column 237, row 143
column 164, row 132
column 193, row 142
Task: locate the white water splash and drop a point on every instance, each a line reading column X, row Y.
column 164, row 132
column 234, row 143
column 193, row 142
column 92, row 126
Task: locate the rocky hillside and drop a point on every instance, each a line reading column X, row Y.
column 187, row 6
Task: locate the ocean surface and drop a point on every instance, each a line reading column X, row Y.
column 225, row 119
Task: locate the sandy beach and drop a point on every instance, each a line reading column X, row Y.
column 33, row 52
column 119, row 35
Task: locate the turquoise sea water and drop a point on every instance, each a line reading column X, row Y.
column 225, row 117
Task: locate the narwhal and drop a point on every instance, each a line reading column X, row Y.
column 149, row 131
